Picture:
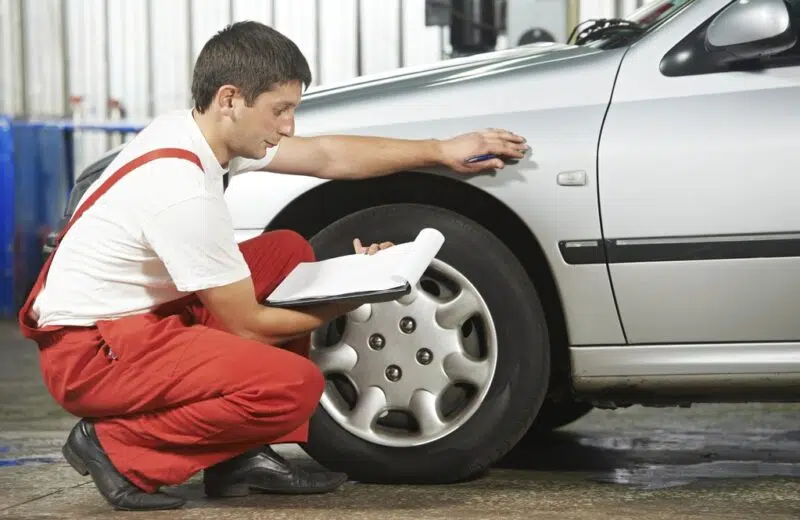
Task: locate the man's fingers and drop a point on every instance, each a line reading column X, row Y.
column 502, row 142
column 505, row 135
column 507, row 148
column 513, row 138
column 372, row 249
column 512, row 144
column 515, row 150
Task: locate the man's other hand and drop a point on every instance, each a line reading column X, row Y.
column 369, row 250
column 457, row 151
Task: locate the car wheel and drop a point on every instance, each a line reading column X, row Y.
column 439, row 385
column 555, row 414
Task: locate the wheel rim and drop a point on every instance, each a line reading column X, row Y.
column 409, row 372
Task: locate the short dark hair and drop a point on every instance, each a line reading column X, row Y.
column 251, row 56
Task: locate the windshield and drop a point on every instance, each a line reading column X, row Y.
column 619, row 32
column 655, row 12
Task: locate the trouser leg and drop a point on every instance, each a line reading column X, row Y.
column 167, row 408
column 174, row 399
column 271, row 257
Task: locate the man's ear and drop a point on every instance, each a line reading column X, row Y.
column 225, row 98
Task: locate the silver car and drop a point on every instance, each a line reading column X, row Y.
column 647, row 251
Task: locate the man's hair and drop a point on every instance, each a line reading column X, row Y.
column 251, row 56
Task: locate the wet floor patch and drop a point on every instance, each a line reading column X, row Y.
column 663, row 476
column 671, row 455
column 24, row 461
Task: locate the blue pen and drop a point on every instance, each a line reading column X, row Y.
column 479, row 158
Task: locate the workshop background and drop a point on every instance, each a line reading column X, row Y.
column 78, row 77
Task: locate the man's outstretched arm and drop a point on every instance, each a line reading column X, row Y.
column 359, row 157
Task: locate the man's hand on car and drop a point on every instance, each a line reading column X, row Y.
column 499, row 143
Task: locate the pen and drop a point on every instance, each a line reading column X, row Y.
column 479, row 158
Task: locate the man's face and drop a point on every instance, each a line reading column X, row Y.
column 263, row 125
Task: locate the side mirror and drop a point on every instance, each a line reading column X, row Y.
column 751, row 29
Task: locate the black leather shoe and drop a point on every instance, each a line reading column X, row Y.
column 84, row 453
column 262, row 470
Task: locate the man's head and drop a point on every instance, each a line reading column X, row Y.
column 248, row 80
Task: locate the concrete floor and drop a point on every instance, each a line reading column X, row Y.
column 707, row 462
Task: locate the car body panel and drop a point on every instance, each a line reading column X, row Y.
column 696, row 158
column 617, row 375
column 555, row 95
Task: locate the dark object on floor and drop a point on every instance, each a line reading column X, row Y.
column 263, row 470
column 84, row 453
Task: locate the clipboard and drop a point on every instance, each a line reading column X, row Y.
column 384, row 276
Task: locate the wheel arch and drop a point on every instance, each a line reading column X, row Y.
column 327, row 202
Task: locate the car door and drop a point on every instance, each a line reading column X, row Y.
column 699, row 185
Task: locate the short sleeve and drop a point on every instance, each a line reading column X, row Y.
column 243, row 165
column 195, row 241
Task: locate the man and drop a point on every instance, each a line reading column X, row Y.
column 149, row 324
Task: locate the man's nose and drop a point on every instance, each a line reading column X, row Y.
column 287, row 130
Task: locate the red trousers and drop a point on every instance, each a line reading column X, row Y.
column 170, row 393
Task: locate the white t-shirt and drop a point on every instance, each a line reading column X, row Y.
column 162, row 231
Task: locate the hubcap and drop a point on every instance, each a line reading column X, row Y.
column 412, row 371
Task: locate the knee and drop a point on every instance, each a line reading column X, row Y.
column 295, row 244
column 292, row 393
column 308, row 391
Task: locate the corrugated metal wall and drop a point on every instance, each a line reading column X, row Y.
column 24, row 26
column 79, row 54
column 11, row 88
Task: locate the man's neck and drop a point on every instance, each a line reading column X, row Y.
column 207, row 127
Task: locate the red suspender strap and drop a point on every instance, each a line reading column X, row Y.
column 28, row 326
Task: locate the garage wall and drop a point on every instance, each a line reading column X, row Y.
column 10, row 56
column 30, row 39
column 80, row 55
column 140, row 52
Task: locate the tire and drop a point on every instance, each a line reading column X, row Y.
column 554, row 415
column 521, row 374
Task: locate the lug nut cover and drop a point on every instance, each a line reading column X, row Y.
column 376, row 342
column 393, row 373
column 424, row 356
column 408, row 325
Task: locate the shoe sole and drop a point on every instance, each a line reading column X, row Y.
column 243, row 490
column 74, row 460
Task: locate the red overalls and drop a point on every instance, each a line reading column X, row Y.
column 169, row 391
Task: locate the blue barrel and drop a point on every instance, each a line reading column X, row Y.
column 55, row 175
column 26, row 259
column 36, row 176
column 42, row 163
column 6, row 218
